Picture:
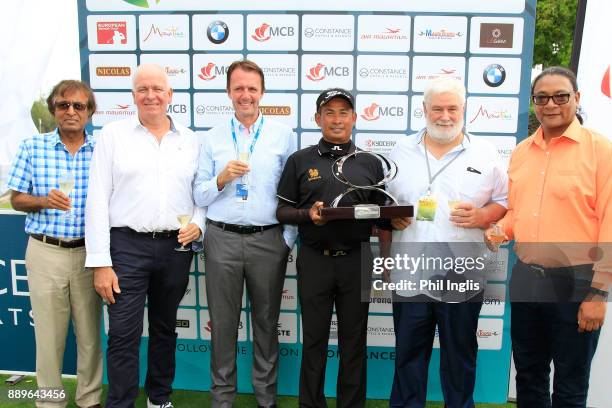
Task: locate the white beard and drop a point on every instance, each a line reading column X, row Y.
column 444, row 135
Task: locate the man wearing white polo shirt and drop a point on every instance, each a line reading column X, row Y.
column 458, row 187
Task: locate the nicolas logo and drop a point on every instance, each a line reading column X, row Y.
column 114, row 71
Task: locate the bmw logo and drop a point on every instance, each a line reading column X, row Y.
column 494, row 75
column 217, row 32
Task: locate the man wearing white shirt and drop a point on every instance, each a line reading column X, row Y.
column 458, row 187
column 240, row 164
column 140, row 182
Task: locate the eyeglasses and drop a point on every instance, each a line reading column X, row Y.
column 65, row 105
column 558, row 99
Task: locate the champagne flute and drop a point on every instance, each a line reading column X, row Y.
column 496, row 235
column 65, row 183
column 183, row 220
column 453, row 203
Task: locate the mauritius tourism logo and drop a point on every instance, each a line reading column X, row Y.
column 141, row 3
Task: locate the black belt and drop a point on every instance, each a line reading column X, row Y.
column 242, row 229
column 152, row 234
column 336, row 252
column 76, row 243
column 562, row 271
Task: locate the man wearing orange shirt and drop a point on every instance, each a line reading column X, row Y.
column 560, row 216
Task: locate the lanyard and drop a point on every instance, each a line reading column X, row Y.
column 252, row 142
column 431, row 179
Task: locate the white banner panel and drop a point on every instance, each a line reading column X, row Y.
column 163, row 32
column 381, row 112
column 389, row 73
column 112, row 106
column 324, row 32
column 388, row 33
column 491, row 115
column 217, row 32
column 440, row 34
column 280, row 71
column 322, row 71
column 496, row 35
column 473, row 6
column 177, row 67
column 426, row 68
column 272, row 32
column 111, row 32
column 111, row 71
column 494, row 75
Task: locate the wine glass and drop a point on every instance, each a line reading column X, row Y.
column 454, row 199
column 183, row 220
column 65, row 183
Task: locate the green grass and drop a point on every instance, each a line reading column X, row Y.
column 185, row 399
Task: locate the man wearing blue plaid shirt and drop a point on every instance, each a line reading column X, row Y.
column 60, row 285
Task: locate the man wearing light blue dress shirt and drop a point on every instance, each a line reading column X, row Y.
column 239, row 167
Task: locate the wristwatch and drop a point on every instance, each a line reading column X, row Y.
column 597, row 292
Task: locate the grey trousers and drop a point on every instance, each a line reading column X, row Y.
column 260, row 259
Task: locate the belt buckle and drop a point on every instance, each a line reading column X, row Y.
column 539, row 270
column 338, row 253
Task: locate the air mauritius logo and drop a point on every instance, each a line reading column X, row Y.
column 206, row 73
column 605, row 83
column 140, row 3
column 371, row 112
column 316, row 73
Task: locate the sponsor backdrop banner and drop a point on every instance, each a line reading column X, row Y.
column 383, row 52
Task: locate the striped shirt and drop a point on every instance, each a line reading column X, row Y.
column 39, row 162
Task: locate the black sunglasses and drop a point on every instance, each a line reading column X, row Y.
column 65, row 105
column 558, row 99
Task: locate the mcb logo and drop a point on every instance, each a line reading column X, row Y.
column 207, row 73
column 111, row 32
column 265, row 31
column 211, row 71
column 321, row 71
column 375, row 111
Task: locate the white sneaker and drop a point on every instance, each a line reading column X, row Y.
column 162, row 405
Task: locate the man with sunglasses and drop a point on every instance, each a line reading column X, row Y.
column 60, row 286
column 560, row 216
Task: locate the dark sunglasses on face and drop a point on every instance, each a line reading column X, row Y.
column 558, row 99
column 65, row 105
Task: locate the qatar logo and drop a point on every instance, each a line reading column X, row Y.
column 206, row 73
column 217, row 32
column 260, row 33
column 605, row 83
column 371, row 112
column 494, row 75
column 112, row 32
column 316, row 73
column 140, row 3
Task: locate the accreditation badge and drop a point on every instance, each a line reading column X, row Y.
column 427, row 206
column 242, row 192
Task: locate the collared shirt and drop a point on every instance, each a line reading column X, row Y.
column 561, row 193
column 475, row 175
column 275, row 143
column 40, row 160
column 140, row 183
column 308, row 178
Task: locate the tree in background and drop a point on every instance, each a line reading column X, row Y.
column 554, row 32
column 42, row 118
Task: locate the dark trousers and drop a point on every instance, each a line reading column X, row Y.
column 322, row 282
column 548, row 331
column 148, row 269
column 415, row 324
